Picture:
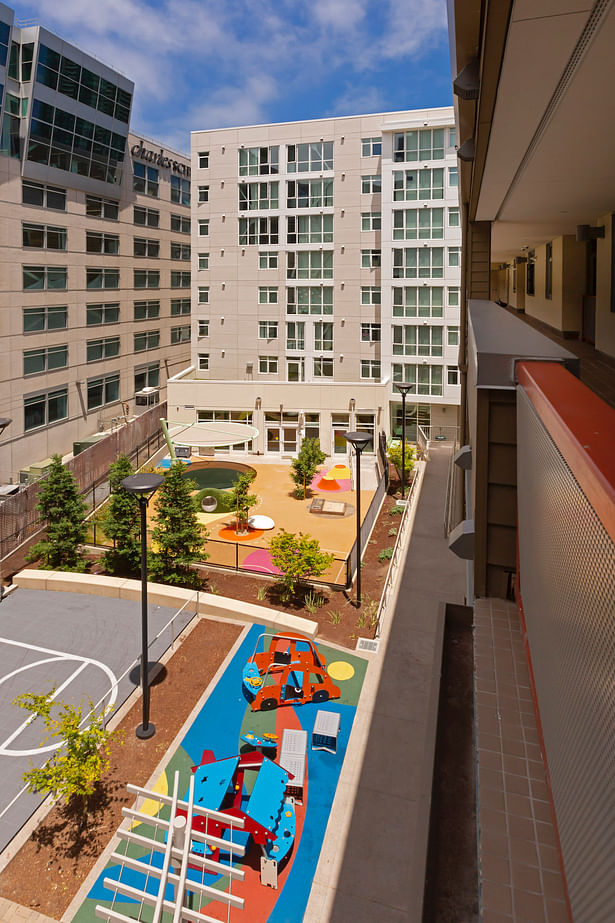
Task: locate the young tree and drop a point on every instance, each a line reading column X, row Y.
column 305, row 465
column 394, row 456
column 299, row 557
column 60, row 504
column 242, row 500
column 121, row 523
column 178, row 534
column 77, row 766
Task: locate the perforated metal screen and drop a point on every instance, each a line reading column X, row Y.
column 567, row 579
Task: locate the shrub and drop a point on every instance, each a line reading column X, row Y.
column 299, row 557
column 385, row 555
column 394, row 456
column 305, row 465
column 61, row 506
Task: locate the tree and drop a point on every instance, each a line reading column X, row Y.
column 121, row 523
column 305, row 465
column 60, row 504
column 76, row 768
column 242, row 500
column 394, row 456
column 299, row 557
column 178, row 534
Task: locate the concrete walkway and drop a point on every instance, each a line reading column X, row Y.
column 372, row 866
column 15, row 913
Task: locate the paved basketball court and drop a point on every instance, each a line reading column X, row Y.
column 78, row 644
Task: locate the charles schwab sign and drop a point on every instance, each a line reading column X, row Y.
column 159, row 158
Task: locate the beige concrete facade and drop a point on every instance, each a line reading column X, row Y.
column 258, row 349
column 104, row 329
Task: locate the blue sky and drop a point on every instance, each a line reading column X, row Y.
column 200, row 64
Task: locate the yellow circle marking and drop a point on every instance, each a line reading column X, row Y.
column 340, row 669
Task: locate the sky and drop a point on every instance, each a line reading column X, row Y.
column 202, row 64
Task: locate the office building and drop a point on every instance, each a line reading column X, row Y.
column 326, row 269
column 94, row 249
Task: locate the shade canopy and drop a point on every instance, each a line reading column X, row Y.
column 211, row 435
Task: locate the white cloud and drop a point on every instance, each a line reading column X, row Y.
column 339, row 14
column 358, row 101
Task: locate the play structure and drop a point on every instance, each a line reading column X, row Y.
column 290, row 672
column 266, row 814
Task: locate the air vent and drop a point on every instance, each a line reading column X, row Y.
column 366, row 644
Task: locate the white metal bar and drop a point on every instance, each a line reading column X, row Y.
column 167, row 857
column 180, row 890
column 141, row 896
column 197, row 809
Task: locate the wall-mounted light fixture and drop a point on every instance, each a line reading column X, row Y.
column 466, row 84
column 353, row 403
column 258, row 403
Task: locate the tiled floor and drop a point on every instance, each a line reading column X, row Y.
column 520, row 876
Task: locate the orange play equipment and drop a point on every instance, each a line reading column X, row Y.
column 290, row 672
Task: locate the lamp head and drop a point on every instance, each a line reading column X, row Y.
column 142, row 485
column 358, row 440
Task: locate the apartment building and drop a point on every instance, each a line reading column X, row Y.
column 94, row 251
column 325, row 260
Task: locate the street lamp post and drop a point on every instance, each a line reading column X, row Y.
column 358, row 441
column 403, row 390
column 143, row 487
column 4, row 422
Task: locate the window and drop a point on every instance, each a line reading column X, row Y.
column 203, row 260
column 452, row 137
column 530, row 273
column 314, row 157
column 36, row 320
column 452, row 336
column 146, row 278
column 418, row 184
column 268, row 260
column 147, row 339
column 422, row 144
column 203, row 194
column 453, row 178
column 267, row 364
column 309, row 229
column 418, row 302
column 182, row 224
column 323, row 368
column 203, row 159
column 453, row 256
column 96, row 207
column 203, row 328
column 371, row 185
column 146, row 310
column 295, row 335
column 180, row 279
column 103, row 391
column 102, row 243
column 418, row 224
column 180, row 306
column 44, row 409
column 147, row 376
column 203, row 227
column 67, row 77
column 44, row 277
column 45, row 359
column 203, row 362
column 144, row 246
column 453, row 217
column 98, row 314
column 258, row 231
column 44, row 196
column 105, row 348
column 180, row 190
column 102, row 277
column 323, row 336
column 309, row 300
column 371, row 221
column 370, row 259
column 549, row 270
column 203, row 294
column 370, row 333
column 453, row 297
column 417, row 341
column 267, row 329
column 43, row 237
column 309, row 264
column 259, row 161
column 452, row 375
column 148, row 217
column 313, row 193
column 253, row 196
column 180, row 334
column 370, row 294
column 422, row 263
column 371, row 147
column 370, row 368
column 427, row 379
column 145, row 180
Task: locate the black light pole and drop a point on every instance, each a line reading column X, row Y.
column 4, row 422
column 143, row 487
column 403, row 390
column 358, row 441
